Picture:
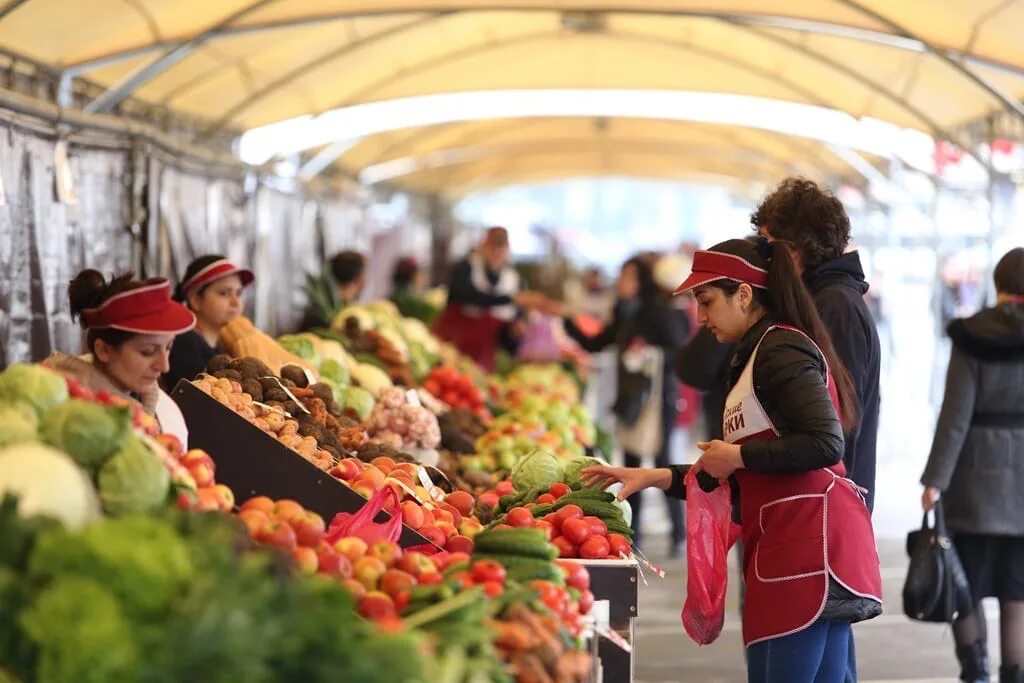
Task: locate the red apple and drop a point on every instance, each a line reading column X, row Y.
column 277, row 533
column 470, row 527
column 309, row 529
column 442, row 515
column 455, row 559
column 172, row 444
column 453, row 511
column 374, row 476
column 461, row 501
column 331, row 562
column 363, row 488
column 357, row 589
column 368, row 570
column 254, row 520
column 416, row 563
column 261, row 503
column 433, row 534
column 208, row 500
column 387, row 551
column 225, row 498
column 351, row 547
column 307, row 560
column 447, row 529
column 376, row 605
column 347, row 469
column 383, row 463
column 488, row 499
column 395, row 581
column 288, row 510
column 504, row 488
column 459, row 544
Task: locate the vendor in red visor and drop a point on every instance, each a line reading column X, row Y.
column 810, row 563
column 212, row 289
column 130, row 326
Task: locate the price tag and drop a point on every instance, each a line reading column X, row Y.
column 613, row 636
column 644, row 562
column 428, row 484
column 413, row 398
column 310, row 377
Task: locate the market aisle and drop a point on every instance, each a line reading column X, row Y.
column 891, row 649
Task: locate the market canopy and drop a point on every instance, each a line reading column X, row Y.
column 241, row 64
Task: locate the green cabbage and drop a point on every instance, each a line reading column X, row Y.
column 88, row 432
column 577, row 465
column 18, row 424
column 359, row 400
column 300, row 346
column 133, row 480
column 335, row 373
column 540, row 470
column 627, row 510
column 35, row 385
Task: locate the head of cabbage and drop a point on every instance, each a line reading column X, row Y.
column 300, row 346
column 33, row 385
column 18, row 423
column 359, row 400
column 48, row 482
column 540, row 469
column 335, row 373
column 133, row 480
column 88, row 432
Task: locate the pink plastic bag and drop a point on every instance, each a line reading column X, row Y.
column 361, row 523
column 539, row 343
column 710, row 532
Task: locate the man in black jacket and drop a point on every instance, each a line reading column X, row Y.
column 813, row 224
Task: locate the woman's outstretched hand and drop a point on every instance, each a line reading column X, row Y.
column 633, row 478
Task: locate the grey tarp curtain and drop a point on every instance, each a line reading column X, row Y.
column 44, row 243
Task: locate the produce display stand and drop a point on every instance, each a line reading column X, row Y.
column 616, row 581
column 253, row 463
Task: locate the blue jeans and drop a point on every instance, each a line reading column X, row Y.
column 818, row 654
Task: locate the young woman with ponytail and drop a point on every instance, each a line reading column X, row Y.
column 810, row 563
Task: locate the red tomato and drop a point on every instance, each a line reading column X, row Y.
column 520, row 517
column 565, row 547
column 545, row 498
column 549, row 531
column 429, row 579
column 433, row 386
column 558, row 490
column 619, row 544
column 488, row 570
column 552, row 519
column 576, row 530
column 595, row 548
column 586, row 602
column 597, row 526
column 493, row 588
column 463, row 580
column 576, row 575
column 569, row 512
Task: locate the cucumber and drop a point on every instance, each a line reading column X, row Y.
column 585, row 494
column 519, row 542
column 527, row 568
column 542, row 509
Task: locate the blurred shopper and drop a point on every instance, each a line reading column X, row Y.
column 977, row 466
column 341, row 285
column 130, row 327
column 813, row 223
column 810, row 564
column 212, row 289
column 647, row 332
column 483, row 293
column 408, row 282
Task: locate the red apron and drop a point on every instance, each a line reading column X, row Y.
column 473, row 333
column 797, row 529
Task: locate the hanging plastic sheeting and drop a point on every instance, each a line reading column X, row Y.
column 287, row 247
column 343, row 227
column 45, row 242
column 194, row 213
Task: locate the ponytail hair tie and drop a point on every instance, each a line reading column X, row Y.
column 765, row 248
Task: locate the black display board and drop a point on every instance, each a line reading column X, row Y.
column 253, row 463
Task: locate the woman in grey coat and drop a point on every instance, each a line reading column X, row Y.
column 977, row 466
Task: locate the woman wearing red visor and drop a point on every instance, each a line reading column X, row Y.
column 212, row 289
column 810, row 563
column 130, row 326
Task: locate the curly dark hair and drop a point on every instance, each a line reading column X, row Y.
column 806, row 216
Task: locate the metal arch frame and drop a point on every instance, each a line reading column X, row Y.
column 319, row 61
column 801, row 160
column 1008, row 102
column 117, row 93
column 649, row 147
column 896, row 41
column 936, row 130
column 445, row 173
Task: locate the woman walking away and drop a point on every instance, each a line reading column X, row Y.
column 977, row 466
column 810, row 564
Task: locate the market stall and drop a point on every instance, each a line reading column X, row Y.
column 380, row 474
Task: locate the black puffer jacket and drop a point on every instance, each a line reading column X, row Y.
column 789, row 378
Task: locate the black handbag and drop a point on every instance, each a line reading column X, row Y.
column 634, row 390
column 936, row 588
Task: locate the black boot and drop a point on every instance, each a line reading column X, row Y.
column 1011, row 674
column 973, row 662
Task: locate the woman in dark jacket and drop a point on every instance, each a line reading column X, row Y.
column 642, row 315
column 977, row 466
column 810, row 564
